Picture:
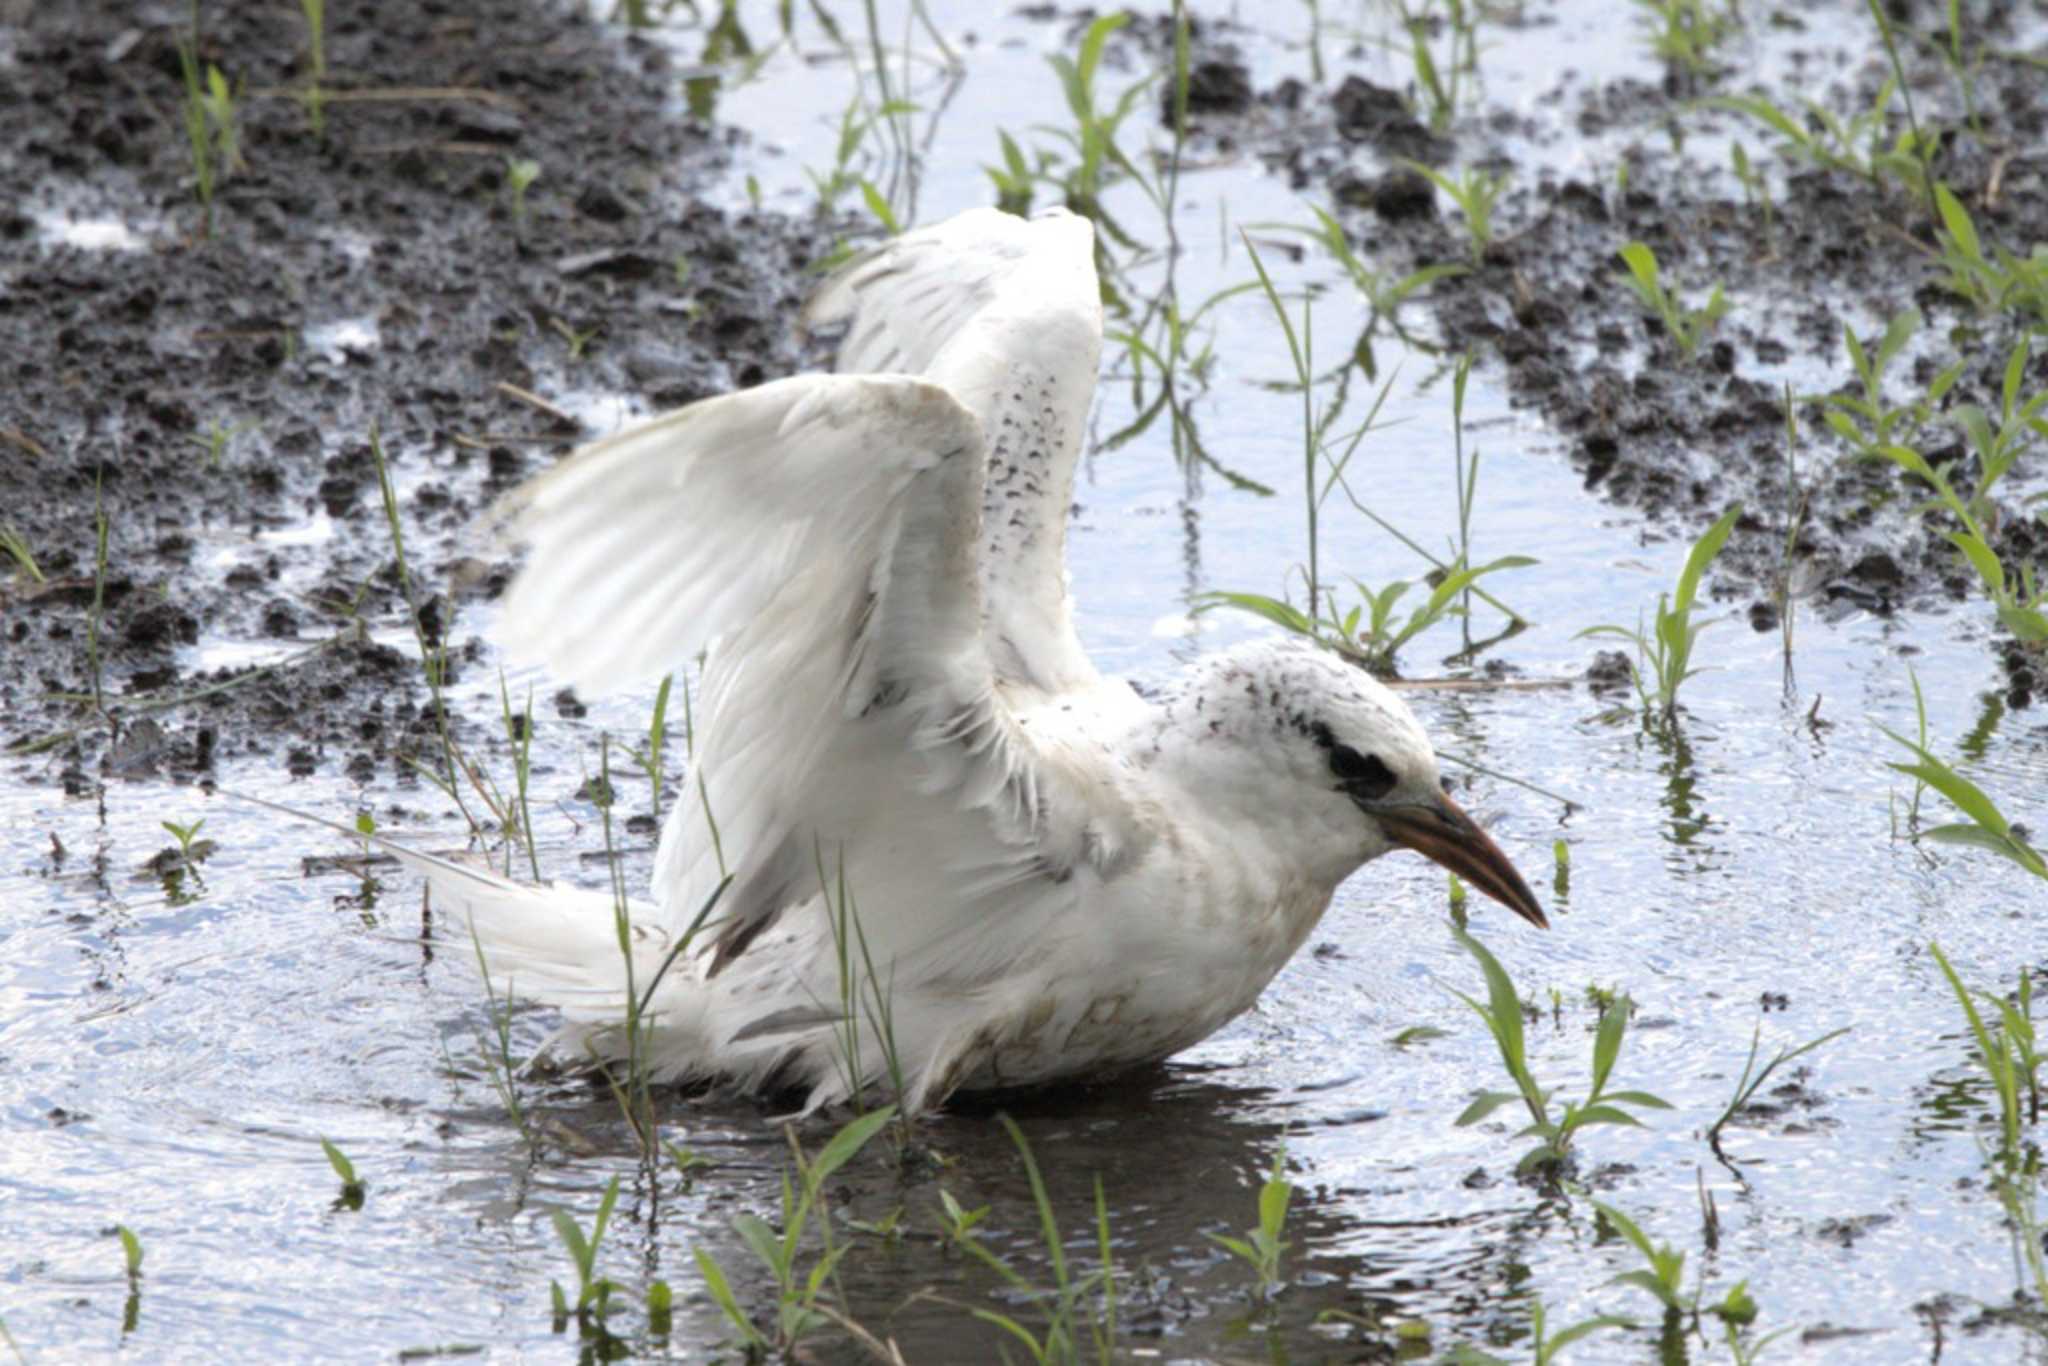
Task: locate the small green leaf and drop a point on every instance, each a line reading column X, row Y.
column 1647, row 1281
column 848, row 1141
column 1605, row 1114
column 131, row 1249
column 761, row 1241
column 1642, row 1098
column 1486, row 1104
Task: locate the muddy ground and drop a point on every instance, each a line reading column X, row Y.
column 122, row 366
column 1678, row 438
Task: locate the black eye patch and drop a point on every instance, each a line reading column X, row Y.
column 1361, row 775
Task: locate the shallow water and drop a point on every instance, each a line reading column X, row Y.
column 173, row 1048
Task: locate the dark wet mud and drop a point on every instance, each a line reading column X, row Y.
column 214, row 396
column 1678, row 437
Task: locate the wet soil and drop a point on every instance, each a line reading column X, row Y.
column 1678, row 438
column 216, row 394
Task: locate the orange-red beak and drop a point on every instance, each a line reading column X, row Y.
column 1443, row 833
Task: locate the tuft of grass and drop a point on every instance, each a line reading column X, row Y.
column 1756, row 190
column 800, row 1309
column 1474, row 192
column 352, row 1186
column 1753, row 1078
column 1856, row 146
column 1502, row 1012
column 1441, row 83
column 211, row 130
column 1369, row 633
column 1545, row 1345
column 2010, row 1055
column 1381, row 290
column 594, row 1293
column 1262, row 1248
column 215, row 440
column 1072, row 1295
column 1686, row 32
column 1867, row 421
column 2000, row 281
column 1015, row 180
column 1666, row 650
column 498, row 1059
column 1662, row 1276
column 1985, row 827
column 1687, row 326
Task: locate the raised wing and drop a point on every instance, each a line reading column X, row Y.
column 1006, row 314
column 821, row 530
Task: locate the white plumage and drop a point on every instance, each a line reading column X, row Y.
column 1049, row 874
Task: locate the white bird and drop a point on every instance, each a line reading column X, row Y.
column 906, row 762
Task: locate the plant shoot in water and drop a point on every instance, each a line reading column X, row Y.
column 1665, row 651
column 1502, row 1012
column 1261, row 1248
column 352, row 1186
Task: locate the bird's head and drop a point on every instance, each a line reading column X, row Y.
column 1344, row 770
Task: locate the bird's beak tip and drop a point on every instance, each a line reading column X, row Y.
column 1449, row 837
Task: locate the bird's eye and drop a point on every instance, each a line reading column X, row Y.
column 1363, row 775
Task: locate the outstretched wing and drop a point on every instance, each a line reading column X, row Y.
column 822, row 531
column 1006, row 314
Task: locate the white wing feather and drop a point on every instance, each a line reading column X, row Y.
column 874, row 564
column 1006, row 314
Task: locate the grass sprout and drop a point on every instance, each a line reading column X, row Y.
column 1546, row 1346
column 520, row 174
column 1073, row 1294
column 2010, row 1055
column 1665, row 651
column 1753, row 1078
column 315, row 96
column 1994, row 283
column 593, row 1303
column 1502, row 1012
column 1856, row 145
column 799, row 1310
column 352, row 1186
column 647, row 757
column 1441, row 82
column 16, row 547
column 1686, row 32
column 1985, row 827
column 1687, row 326
column 1867, row 421
column 1262, row 1248
column 1475, row 193
column 1662, row 1276
column 1369, row 632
